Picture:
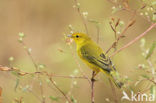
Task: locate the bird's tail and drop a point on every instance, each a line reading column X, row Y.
column 116, row 79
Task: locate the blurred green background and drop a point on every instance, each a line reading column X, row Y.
column 44, row 22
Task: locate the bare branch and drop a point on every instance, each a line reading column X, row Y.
column 135, row 39
column 121, row 35
column 81, row 16
column 92, row 87
column 113, row 90
column 36, row 67
column 21, row 73
column 67, row 98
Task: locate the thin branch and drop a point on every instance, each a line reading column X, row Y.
column 136, row 12
column 0, row 95
column 81, row 16
column 131, row 10
column 113, row 90
column 98, row 33
column 151, row 80
column 35, row 95
column 114, row 26
column 20, row 100
column 36, row 67
column 67, row 98
column 135, row 39
column 0, row 91
column 2, row 68
column 42, row 93
column 22, row 73
column 29, row 54
column 75, row 77
column 152, row 67
column 92, row 87
column 122, row 34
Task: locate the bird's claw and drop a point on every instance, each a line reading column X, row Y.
column 93, row 80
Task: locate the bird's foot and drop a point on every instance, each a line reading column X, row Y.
column 93, row 80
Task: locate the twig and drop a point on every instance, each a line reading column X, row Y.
column 81, row 16
column 149, row 63
column 29, row 54
column 131, row 10
column 42, row 93
column 35, row 95
column 114, row 28
column 45, row 73
column 134, row 40
column 152, row 81
column 0, row 91
column 0, row 95
column 75, row 77
column 152, row 67
column 92, row 87
column 67, row 98
column 114, row 92
column 36, row 67
column 117, row 4
column 21, row 73
column 98, row 33
column 121, row 35
column 20, row 100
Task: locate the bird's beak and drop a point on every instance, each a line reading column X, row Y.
column 69, row 40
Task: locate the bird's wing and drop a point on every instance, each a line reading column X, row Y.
column 98, row 59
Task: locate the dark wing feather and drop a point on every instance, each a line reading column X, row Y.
column 98, row 60
column 107, row 60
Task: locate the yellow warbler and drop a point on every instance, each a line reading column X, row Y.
column 94, row 57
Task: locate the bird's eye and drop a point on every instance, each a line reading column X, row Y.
column 77, row 36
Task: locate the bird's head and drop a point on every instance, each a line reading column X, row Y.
column 79, row 38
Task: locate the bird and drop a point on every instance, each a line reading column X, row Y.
column 96, row 59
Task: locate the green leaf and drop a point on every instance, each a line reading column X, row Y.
column 151, row 50
column 54, row 98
